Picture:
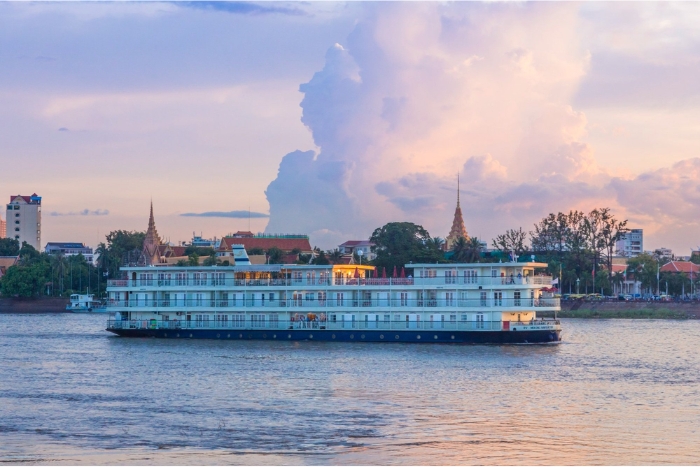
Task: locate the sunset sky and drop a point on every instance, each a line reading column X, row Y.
column 335, row 118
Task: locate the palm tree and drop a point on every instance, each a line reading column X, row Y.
column 473, row 252
column 334, row 256
column 459, row 250
column 59, row 263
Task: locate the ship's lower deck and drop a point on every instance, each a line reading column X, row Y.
column 366, row 335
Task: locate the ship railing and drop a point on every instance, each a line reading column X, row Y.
column 330, row 303
column 338, row 281
column 246, row 322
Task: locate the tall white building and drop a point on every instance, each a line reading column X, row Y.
column 23, row 219
column 631, row 244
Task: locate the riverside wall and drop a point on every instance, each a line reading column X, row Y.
column 629, row 309
column 39, row 305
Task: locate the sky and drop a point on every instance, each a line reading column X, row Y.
column 332, row 119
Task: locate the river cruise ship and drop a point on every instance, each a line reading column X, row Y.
column 443, row 303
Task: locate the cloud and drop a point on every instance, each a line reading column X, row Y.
column 229, row 214
column 243, row 8
column 84, row 212
column 421, row 91
column 63, row 129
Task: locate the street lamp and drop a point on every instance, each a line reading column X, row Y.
column 577, row 284
column 359, row 253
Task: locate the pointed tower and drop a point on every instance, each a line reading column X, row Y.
column 151, row 242
column 458, row 230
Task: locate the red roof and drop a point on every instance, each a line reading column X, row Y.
column 284, row 244
column 680, row 266
column 618, row 268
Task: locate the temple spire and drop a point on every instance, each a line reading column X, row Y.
column 458, row 229
column 152, row 241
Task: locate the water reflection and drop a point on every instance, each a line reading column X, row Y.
column 615, row 392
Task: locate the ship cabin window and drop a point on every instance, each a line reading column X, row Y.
column 404, row 298
column 272, row 297
column 309, row 296
column 322, row 298
column 333, row 318
column 450, row 277
column 453, row 318
column 482, row 298
column 470, row 276
column 387, row 319
column 463, row 317
column 516, row 299
column 428, row 273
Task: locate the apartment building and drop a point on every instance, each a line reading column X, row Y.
column 631, row 244
column 23, row 219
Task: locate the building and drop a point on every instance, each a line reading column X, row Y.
column 356, row 246
column 458, row 230
column 291, row 245
column 3, row 228
column 631, row 243
column 7, row 262
column 677, row 267
column 199, row 241
column 70, row 249
column 23, row 220
column 152, row 242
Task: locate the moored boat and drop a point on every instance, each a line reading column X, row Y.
column 86, row 303
column 445, row 303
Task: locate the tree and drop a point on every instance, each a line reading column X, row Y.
column 9, row 247
column 193, row 259
column 474, row 248
column 321, row 258
column 275, row 255
column 459, row 250
column 644, row 269
column 511, row 241
column 211, row 259
column 24, row 281
column 334, row 256
column 400, row 243
column 118, row 250
column 256, row 251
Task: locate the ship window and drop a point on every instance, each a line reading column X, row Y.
column 453, row 318
column 333, row 318
column 16, row 214
column 463, row 317
column 387, row 318
column 17, row 222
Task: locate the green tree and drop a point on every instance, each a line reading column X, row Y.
column 334, row 256
column 9, row 247
column 193, row 259
column 211, row 259
column 275, row 255
column 256, row 251
column 511, row 241
column 26, row 281
column 321, row 258
column 644, row 268
column 400, row 243
column 120, row 245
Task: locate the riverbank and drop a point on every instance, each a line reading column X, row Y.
column 38, row 305
column 627, row 310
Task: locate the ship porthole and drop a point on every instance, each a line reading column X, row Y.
column 311, row 336
column 396, row 336
column 289, row 336
column 515, row 329
column 264, row 336
column 418, row 337
column 435, row 337
column 165, row 334
column 362, row 336
column 332, row 336
column 352, row 336
column 190, row 335
column 228, row 335
column 381, row 336
column 177, row 335
column 274, row 336
column 240, row 336
column 453, row 337
column 218, row 335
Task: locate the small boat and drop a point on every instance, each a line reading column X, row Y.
column 85, row 304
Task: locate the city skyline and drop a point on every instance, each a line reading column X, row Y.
column 337, row 118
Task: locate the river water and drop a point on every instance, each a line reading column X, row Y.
column 614, row 392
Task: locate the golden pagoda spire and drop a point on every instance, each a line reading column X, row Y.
column 458, row 230
column 152, row 241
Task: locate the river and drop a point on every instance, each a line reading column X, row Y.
column 614, row 392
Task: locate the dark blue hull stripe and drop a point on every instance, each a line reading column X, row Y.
column 455, row 337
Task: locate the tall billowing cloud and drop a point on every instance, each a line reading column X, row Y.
column 420, row 92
